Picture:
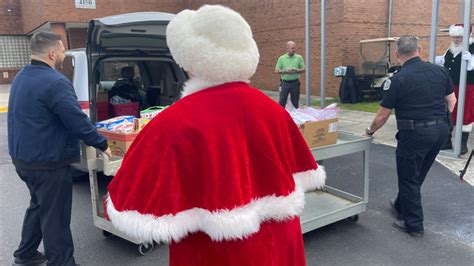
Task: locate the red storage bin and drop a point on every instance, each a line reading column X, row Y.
column 102, row 111
column 125, row 109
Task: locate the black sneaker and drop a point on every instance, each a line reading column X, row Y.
column 394, row 211
column 402, row 227
column 38, row 258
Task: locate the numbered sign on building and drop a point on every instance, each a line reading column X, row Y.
column 85, row 4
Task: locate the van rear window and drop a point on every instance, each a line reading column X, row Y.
column 112, row 70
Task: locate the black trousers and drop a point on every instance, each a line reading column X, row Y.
column 292, row 89
column 416, row 151
column 49, row 215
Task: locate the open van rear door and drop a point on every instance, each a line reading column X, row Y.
column 130, row 34
column 144, row 31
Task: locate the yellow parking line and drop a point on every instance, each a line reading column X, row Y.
column 3, row 109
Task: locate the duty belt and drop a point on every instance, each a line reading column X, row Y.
column 412, row 124
column 291, row 81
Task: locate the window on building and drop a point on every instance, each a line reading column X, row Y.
column 14, row 51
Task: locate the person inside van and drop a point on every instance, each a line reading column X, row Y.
column 125, row 89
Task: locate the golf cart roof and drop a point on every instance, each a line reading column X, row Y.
column 390, row 39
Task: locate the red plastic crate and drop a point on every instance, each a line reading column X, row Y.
column 125, row 109
column 102, row 111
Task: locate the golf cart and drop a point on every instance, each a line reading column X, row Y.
column 378, row 63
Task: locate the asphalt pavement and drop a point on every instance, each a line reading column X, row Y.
column 447, row 202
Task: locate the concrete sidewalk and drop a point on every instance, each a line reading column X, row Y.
column 357, row 121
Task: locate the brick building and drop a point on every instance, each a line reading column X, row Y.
column 273, row 22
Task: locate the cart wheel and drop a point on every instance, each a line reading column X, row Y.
column 354, row 218
column 145, row 248
column 106, row 233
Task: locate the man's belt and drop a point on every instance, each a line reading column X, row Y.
column 412, row 124
column 291, row 81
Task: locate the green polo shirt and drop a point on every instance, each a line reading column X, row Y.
column 285, row 61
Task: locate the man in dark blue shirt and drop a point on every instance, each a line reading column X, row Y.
column 420, row 93
column 45, row 123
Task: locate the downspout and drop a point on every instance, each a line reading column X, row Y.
column 389, row 23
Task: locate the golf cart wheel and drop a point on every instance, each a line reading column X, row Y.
column 354, row 218
column 106, row 233
column 145, row 248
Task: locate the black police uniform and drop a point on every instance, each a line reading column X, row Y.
column 417, row 93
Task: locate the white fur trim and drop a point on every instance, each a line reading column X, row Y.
column 234, row 224
column 455, row 30
column 467, row 128
column 194, row 85
column 311, row 179
column 214, row 43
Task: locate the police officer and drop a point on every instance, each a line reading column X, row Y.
column 420, row 94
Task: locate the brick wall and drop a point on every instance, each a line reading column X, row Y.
column 274, row 22
column 40, row 11
column 77, row 38
column 10, row 17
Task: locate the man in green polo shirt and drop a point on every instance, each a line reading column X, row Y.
column 289, row 66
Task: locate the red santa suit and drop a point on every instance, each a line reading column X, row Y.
column 221, row 176
column 453, row 64
column 452, row 60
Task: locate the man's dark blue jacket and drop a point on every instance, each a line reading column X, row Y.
column 45, row 121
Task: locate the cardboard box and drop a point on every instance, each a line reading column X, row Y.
column 320, row 133
column 118, row 142
column 140, row 123
column 102, row 96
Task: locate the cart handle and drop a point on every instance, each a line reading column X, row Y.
column 104, row 156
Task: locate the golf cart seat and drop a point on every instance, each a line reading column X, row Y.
column 377, row 69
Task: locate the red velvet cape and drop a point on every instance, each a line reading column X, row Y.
column 218, row 165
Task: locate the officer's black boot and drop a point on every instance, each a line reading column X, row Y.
column 465, row 136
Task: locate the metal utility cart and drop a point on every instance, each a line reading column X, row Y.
column 93, row 164
column 322, row 207
column 332, row 205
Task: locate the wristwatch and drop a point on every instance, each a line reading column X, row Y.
column 369, row 132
